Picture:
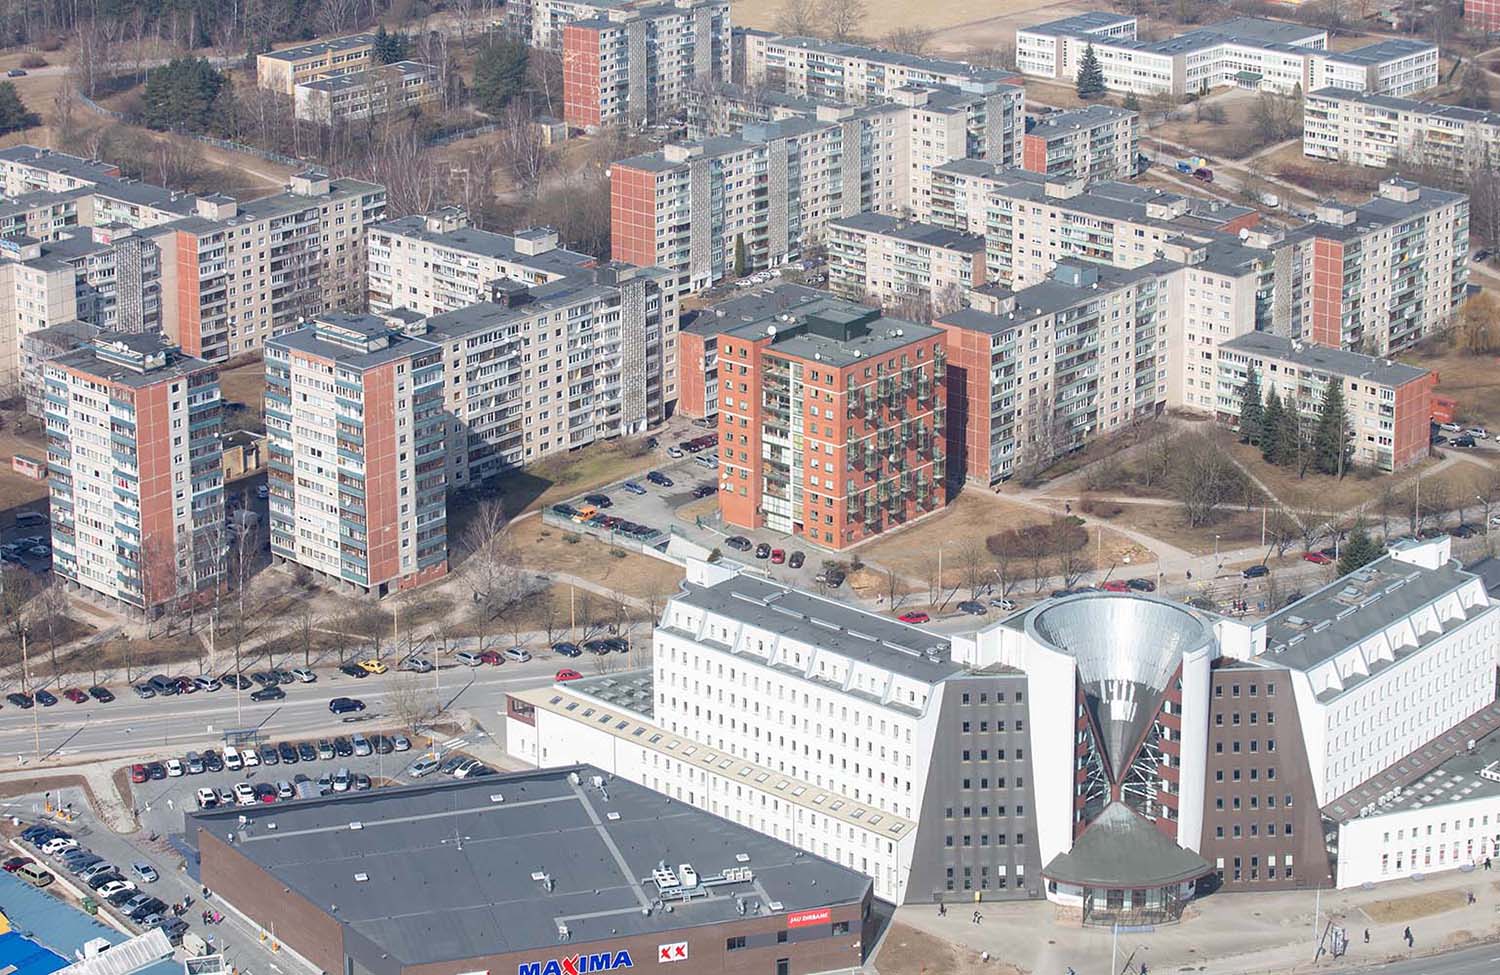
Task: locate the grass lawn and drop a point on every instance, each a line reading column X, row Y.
column 1469, row 379
column 1320, row 492
column 1397, row 910
column 16, row 489
column 547, row 549
column 557, row 479
column 1213, row 138
column 1236, row 529
column 960, row 533
column 245, row 383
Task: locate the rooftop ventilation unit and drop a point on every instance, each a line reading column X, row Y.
column 361, row 878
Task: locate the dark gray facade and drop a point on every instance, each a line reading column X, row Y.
column 976, row 834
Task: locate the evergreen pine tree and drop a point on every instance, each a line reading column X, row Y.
column 1090, row 75
column 739, row 255
column 1270, row 428
column 1359, row 550
column 1250, row 408
column 1288, row 435
column 1331, row 440
column 13, row 112
column 1132, row 102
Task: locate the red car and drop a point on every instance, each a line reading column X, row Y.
column 778, row 556
column 567, row 673
column 14, row 864
column 138, row 773
column 491, row 657
column 1316, row 558
column 1115, row 585
column 76, row 696
column 914, row 616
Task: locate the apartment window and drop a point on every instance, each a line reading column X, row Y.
column 735, row 943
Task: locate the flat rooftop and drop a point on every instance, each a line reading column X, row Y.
column 910, row 231
column 174, row 364
column 1411, row 105
column 834, row 331
column 303, row 51
column 1071, row 120
column 1338, row 362
column 500, row 247
column 830, row 626
column 375, row 75
column 1084, row 23
column 461, row 869
column 1390, row 49
column 1351, row 609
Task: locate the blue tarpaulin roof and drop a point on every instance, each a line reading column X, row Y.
column 61, row 927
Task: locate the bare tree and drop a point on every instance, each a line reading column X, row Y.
column 1073, row 566
column 908, row 40
column 492, row 566
column 1281, row 530
column 337, row 16
column 798, row 18
column 972, row 561
column 522, row 148
column 842, row 19
column 1206, row 478
column 413, row 701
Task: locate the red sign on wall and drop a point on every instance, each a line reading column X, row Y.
column 802, row 919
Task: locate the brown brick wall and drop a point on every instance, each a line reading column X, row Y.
column 301, row 925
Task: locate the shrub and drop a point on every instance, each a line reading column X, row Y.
column 33, row 61
column 1056, row 537
column 1100, row 507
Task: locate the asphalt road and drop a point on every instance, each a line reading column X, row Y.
column 132, row 726
column 1483, row 960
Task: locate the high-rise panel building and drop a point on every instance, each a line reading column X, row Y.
column 135, row 471
column 355, row 453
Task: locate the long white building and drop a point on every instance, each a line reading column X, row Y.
column 1102, row 750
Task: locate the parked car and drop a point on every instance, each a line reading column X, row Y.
column 101, row 694
column 417, row 665
column 156, row 771
column 633, row 488
column 1256, row 571
column 304, row 675
column 1001, row 603
column 174, row 768
column 236, row 681
column 973, row 607
column 1116, row 585
column 517, row 655
column 145, row 871
column 567, row 649
column 659, row 479
column 599, row 500
column 739, row 543
column 1463, row 441
column 675, row 453
column 353, row 670
column 342, row 780
column 795, row 560
column 778, row 556
column 143, row 691
column 211, row 761
column 1141, row 585
column 914, row 616
column 163, row 685
column 401, row 743
column 342, row 747
column 763, row 551
column 373, row 666
column 362, row 745
column 422, row 767
column 18, row 699
column 269, row 755
column 467, row 658
column 1316, row 558
column 244, row 794
column 288, row 753
column 76, row 696
column 206, row 683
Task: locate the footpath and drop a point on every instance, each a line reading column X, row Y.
column 1232, row 933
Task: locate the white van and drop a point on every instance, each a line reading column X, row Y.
column 517, row 655
column 232, row 759
column 467, row 659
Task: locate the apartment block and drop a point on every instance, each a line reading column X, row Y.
column 1037, row 372
column 1261, row 55
column 231, row 273
column 1388, row 404
column 106, row 276
column 1095, row 142
column 831, row 418
column 38, row 215
column 1375, row 130
column 777, row 185
column 1483, row 15
column 599, row 341
column 282, row 71
column 135, row 472
column 1385, row 274
column 848, row 74
column 634, row 64
column 48, row 343
column 884, row 259
column 355, row 453
column 1031, row 222
column 371, row 93
column 437, row 262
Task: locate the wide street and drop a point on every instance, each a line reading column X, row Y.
column 130, row 726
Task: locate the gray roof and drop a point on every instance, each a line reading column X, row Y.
column 1070, row 283
column 831, row 626
column 375, row 75
column 471, row 240
column 1068, row 121
column 312, row 340
column 1411, row 105
column 448, row 867
column 758, row 304
column 629, row 690
column 915, row 62
column 58, row 162
column 835, row 331
column 909, row 230
column 1339, row 362
column 1121, row 849
column 1355, row 607
column 1080, row 23
column 88, row 360
column 1109, row 199
column 1389, row 49
column 321, row 47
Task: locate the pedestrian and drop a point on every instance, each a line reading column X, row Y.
column 1410, row 941
column 1472, row 898
column 1486, row 863
column 942, row 909
column 1190, row 575
column 1143, row 968
column 1367, row 935
column 975, row 919
column 1067, row 507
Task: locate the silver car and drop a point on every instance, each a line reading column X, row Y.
column 425, row 765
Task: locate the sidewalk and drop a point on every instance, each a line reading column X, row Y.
column 1234, row 933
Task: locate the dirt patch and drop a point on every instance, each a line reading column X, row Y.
column 15, row 788
column 907, row 951
column 1232, row 138
column 17, row 490
column 1236, row 528
column 245, row 383
column 1398, row 910
column 1469, row 379
column 548, row 549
